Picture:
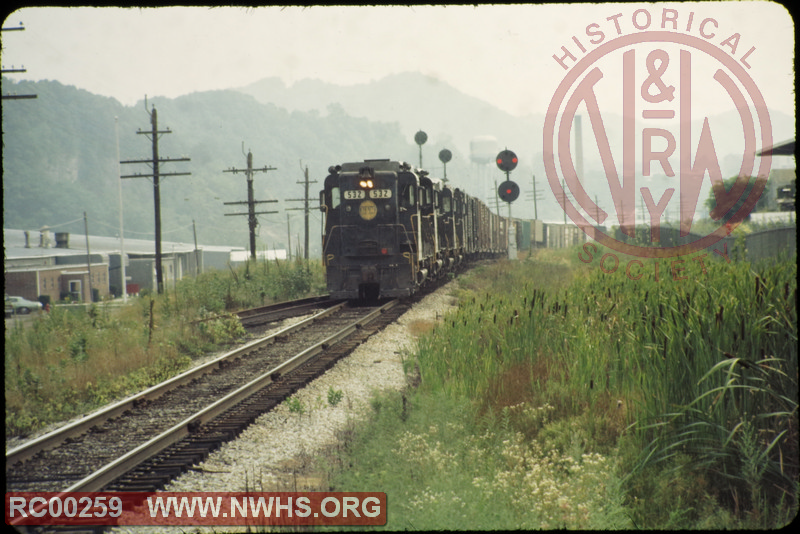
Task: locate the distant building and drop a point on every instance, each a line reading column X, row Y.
column 782, row 184
column 564, row 235
column 57, row 269
column 781, row 189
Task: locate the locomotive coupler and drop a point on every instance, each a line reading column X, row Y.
column 369, row 274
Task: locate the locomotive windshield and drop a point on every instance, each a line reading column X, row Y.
column 369, row 196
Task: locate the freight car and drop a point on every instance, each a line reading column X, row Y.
column 391, row 229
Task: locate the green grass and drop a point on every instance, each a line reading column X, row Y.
column 442, row 468
column 687, row 387
column 72, row 361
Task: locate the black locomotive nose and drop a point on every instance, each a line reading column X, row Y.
column 369, row 274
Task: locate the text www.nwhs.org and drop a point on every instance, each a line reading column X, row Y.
column 262, row 507
column 196, row 508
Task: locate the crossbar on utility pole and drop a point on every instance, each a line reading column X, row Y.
column 304, row 208
column 154, row 134
column 14, row 70
column 251, row 202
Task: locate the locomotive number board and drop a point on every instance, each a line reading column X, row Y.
column 358, row 194
column 380, row 193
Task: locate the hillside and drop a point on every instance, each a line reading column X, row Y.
column 60, row 152
column 418, row 102
column 414, row 101
column 452, row 119
column 59, row 160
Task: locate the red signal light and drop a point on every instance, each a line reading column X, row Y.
column 508, row 191
column 507, row 160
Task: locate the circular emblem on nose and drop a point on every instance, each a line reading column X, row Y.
column 367, row 210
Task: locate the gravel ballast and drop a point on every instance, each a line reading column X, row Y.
column 272, row 454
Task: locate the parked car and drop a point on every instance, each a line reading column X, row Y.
column 21, row 306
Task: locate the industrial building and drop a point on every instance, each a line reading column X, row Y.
column 49, row 267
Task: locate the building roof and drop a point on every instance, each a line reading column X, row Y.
column 14, row 245
column 784, row 148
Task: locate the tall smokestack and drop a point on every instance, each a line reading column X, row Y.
column 578, row 148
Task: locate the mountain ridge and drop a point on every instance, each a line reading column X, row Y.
column 60, row 150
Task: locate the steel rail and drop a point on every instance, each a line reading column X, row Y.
column 109, row 472
column 250, row 312
column 54, row 438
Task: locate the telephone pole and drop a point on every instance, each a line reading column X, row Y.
column 14, row 70
column 154, row 135
column 536, row 196
column 305, row 208
column 251, row 202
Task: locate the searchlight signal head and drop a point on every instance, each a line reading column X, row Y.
column 508, row 191
column 507, row 160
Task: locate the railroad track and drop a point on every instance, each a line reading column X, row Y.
column 140, row 443
column 255, row 318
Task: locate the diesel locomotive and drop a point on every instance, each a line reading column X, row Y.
column 390, row 229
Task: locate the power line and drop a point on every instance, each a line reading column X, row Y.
column 15, row 70
column 305, row 208
column 251, row 202
column 156, row 175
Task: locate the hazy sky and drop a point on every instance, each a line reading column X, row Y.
column 501, row 54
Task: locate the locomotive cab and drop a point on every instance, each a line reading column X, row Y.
column 369, row 246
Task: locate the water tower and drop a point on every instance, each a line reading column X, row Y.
column 482, row 151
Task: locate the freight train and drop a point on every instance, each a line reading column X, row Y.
column 391, row 229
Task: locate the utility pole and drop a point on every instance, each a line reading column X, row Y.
column 123, row 278
column 536, row 197
column 289, row 237
column 305, row 208
column 15, row 70
column 496, row 198
column 196, row 251
column 88, row 257
column 597, row 211
column 251, row 202
column 154, row 135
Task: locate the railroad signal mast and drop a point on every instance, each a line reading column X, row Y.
column 445, row 156
column 508, row 191
column 251, row 202
column 420, row 138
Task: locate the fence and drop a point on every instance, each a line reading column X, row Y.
column 753, row 246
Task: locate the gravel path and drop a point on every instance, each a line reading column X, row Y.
column 273, row 454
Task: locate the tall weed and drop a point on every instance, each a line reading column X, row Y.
column 72, row 360
column 698, row 361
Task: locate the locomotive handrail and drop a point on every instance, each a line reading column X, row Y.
column 327, row 241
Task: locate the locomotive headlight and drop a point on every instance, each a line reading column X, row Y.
column 367, row 184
